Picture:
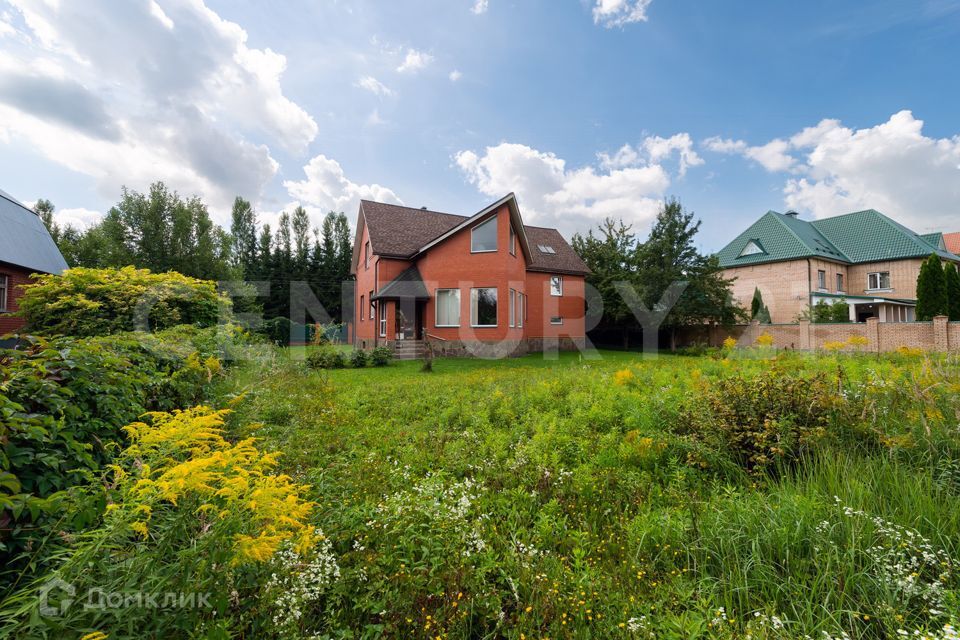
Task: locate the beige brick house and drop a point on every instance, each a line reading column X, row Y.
column 864, row 258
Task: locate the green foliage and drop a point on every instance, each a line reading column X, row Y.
column 190, row 514
column 824, row 312
column 381, row 356
column 63, row 403
column 758, row 310
column 326, row 357
column 762, row 420
column 96, row 302
column 359, row 358
column 281, row 331
column 931, row 290
column 952, row 277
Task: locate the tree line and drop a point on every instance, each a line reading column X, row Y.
column 163, row 231
column 669, row 255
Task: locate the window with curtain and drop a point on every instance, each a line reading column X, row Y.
column 448, row 308
column 556, row 285
column 483, row 307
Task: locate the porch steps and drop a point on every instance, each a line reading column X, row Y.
column 408, row 349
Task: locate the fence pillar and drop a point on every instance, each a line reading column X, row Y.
column 940, row 334
column 873, row 333
column 804, row 343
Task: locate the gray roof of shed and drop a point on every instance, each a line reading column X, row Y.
column 24, row 239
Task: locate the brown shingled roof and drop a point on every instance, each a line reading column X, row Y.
column 565, row 259
column 401, row 231
column 952, row 240
column 398, row 231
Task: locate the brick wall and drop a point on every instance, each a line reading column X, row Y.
column 903, row 277
column 16, row 276
column 783, row 285
column 938, row 335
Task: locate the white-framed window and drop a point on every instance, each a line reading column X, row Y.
column 752, row 248
column 878, row 280
column 840, row 288
column 821, row 280
column 373, row 306
column 521, row 308
column 483, row 307
column 545, row 248
column 556, row 285
column 483, row 237
column 513, row 241
column 383, row 318
column 513, row 308
column 366, row 254
column 4, row 288
column 448, row 308
column 556, row 320
column 361, row 309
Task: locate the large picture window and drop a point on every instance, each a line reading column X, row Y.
column 448, row 308
column 878, row 280
column 483, row 237
column 483, row 307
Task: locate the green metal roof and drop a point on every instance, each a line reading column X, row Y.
column 862, row 236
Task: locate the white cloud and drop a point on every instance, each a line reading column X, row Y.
column 616, row 13
column 326, row 188
column 77, row 217
column 773, row 156
column 414, row 61
column 455, row 75
column 892, row 167
column 374, row 86
column 573, row 199
column 654, row 150
column 185, row 101
column 479, row 7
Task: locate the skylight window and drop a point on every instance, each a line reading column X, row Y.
column 753, row 248
column 545, row 248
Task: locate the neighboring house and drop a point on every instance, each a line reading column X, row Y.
column 480, row 285
column 864, row 258
column 952, row 242
column 25, row 247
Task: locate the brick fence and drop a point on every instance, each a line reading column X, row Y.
column 939, row 335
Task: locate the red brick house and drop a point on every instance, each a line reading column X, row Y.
column 25, row 247
column 485, row 285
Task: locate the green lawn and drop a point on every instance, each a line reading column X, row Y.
column 683, row 497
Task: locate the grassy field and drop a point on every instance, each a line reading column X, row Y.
column 720, row 496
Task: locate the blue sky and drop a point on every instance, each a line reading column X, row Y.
column 585, row 109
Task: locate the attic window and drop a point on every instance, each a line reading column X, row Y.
column 545, row 248
column 753, row 248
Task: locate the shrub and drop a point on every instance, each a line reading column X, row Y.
column 96, row 302
column 762, row 419
column 189, row 512
column 63, row 402
column 281, row 331
column 326, row 358
column 381, row 356
column 359, row 358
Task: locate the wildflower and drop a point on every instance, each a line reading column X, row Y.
column 623, row 377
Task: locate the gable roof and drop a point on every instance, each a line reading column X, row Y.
column 25, row 241
column 952, row 242
column 852, row 238
column 404, row 232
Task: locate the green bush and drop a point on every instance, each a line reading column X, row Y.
column 326, row 357
column 63, row 402
column 359, row 358
column 96, row 302
column 381, row 356
column 760, row 420
column 281, row 331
